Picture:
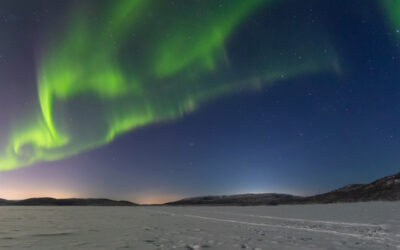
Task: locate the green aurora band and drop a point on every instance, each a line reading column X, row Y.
column 392, row 10
column 134, row 63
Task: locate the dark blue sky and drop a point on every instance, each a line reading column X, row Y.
column 306, row 134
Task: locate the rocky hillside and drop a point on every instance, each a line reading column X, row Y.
column 385, row 189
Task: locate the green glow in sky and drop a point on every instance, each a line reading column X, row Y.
column 392, row 8
column 136, row 63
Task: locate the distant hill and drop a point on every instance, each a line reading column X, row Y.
column 385, row 189
column 239, row 199
column 65, row 202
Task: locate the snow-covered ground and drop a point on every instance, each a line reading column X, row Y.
column 373, row 225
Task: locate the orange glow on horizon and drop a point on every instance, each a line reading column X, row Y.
column 156, row 198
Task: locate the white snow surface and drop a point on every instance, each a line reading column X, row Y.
column 370, row 225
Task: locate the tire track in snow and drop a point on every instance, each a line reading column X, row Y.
column 351, row 224
column 381, row 239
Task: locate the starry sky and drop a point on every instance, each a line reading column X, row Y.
column 152, row 101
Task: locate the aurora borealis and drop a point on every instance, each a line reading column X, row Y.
column 83, row 78
column 181, row 65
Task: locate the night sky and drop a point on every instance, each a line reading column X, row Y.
column 152, row 101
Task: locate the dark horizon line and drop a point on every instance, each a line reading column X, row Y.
column 106, row 201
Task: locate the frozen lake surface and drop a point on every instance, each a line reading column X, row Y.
column 373, row 225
